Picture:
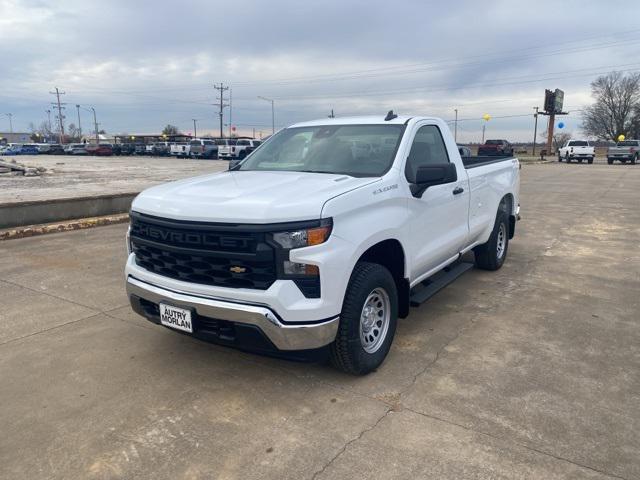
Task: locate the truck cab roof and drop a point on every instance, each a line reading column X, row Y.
column 360, row 120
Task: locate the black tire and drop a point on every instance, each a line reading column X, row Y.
column 567, row 158
column 559, row 158
column 579, row 160
column 624, row 160
column 590, row 161
column 487, row 255
column 634, row 159
column 347, row 352
column 610, row 161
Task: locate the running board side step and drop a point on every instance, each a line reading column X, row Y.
column 427, row 289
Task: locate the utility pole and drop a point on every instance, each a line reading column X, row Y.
column 455, row 126
column 79, row 125
column 10, row 115
column 221, row 88
column 332, row 115
column 230, row 111
column 273, row 115
column 195, row 129
column 552, row 121
column 483, row 127
column 60, row 107
column 95, row 124
column 535, row 130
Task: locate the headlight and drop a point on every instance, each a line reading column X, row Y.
column 303, row 238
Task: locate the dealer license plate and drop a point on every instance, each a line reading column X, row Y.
column 175, row 317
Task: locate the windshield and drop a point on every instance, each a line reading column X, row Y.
column 355, row 150
column 578, row 143
column 628, row 143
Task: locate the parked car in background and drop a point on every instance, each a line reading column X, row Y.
column 464, row 151
column 13, row 149
column 577, row 150
column 139, row 149
column 161, row 149
column 29, row 149
column 203, row 148
column 244, row 147
column 55, row 149
column 496, row 147
column 629, row 150
column 226, row 148
column 43, row 148
column 181, row 149
column 127, row 149
column 103, row 150
column 75, row 149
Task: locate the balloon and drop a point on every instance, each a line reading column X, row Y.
column 486, row 117
column 561, row 125
column 621, row 138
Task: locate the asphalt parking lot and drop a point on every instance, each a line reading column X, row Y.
column 529, row 372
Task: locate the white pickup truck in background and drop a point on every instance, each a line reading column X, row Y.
column 625, row 151
column 320, row 239
column 577, row 150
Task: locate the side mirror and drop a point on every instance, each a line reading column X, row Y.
column 431, row 175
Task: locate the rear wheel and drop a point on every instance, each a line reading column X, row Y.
column 491, row 255
column 579, row 160
column 610, row 161
column 367, row 321
column 634, row 159
column 590, row 160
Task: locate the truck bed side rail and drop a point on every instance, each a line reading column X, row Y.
column 477, row 161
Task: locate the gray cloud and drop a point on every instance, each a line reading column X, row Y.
column 145, row 64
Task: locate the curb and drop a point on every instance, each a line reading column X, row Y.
column 76, row 224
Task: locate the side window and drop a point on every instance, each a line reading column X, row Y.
column 428, row 148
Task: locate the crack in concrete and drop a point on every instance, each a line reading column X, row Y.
column 348, row 443
column 520, row 444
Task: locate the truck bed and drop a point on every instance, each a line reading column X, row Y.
column 477, row 161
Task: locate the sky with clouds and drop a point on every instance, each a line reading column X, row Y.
column 143, row 64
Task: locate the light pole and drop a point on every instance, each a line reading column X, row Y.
column 273, row 115
column 79, row 125
column 49, row 117
column 95, row 123
column 455, row 127
column 535, row 131
column 10, row 115
column 195, row 130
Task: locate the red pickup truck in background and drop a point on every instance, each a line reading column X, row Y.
column 496, row 147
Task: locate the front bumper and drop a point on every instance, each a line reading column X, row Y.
column 240, row 317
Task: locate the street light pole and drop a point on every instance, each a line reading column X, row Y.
column 535, row 131
column 79, row 125
column 455, row 128
column 273, row 115
column 195, row 130
column 10, row 115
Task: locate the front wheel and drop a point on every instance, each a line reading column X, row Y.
column 634, row 159
column 610, row 161
column 368, row 320
column 590, row 160
column 567, row 158
column 491, row 255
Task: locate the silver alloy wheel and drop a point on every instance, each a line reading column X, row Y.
column 374, row 320
column 501, row 242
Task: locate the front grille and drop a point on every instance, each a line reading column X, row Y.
column 209, row 254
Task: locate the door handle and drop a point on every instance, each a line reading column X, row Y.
column 458, row 190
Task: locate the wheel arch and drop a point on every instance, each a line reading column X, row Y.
column 507, row 205
column 390, row 254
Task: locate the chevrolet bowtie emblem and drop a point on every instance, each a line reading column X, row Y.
column 236, row 269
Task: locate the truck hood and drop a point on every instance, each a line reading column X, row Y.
column 246, row 197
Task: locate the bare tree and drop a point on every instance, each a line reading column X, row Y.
column 617, row 98
column 559, row 139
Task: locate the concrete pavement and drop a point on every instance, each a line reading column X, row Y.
column 529, row 372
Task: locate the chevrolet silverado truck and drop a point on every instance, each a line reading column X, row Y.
column 577, row 150
column 628, row 150
column 321, row 238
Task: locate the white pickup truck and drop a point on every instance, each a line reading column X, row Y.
column 321, row 238
column 577, row 150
